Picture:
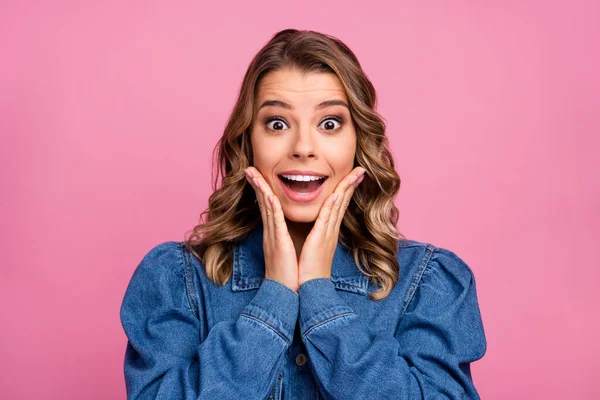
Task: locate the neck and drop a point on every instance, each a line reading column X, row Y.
column 298, row 232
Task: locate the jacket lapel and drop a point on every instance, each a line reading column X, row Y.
column 249, row 266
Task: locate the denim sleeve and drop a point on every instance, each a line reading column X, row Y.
column 166, row 357
column 428, row 357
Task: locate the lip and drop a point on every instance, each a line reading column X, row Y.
column 298, row 197
column 299, row 172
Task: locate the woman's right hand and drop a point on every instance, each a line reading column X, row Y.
column 280, row 255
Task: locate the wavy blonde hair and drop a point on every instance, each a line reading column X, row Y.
column 369, row 224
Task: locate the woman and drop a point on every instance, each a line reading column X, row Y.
column 298, row 284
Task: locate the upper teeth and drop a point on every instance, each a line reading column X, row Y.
column 303, row 177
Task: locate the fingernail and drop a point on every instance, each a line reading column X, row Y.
column 360, row 179
column 361, row 171
column 255, row 181
column 353, row 179
column 248, row 173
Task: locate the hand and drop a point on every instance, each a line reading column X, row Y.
column 280, row 255
column 317, row 253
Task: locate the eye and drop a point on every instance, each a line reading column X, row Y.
column 329, row 125
column 277, row 123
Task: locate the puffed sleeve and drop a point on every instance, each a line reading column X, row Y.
column 166, row 357
column 428, row 357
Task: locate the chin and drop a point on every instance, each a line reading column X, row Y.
column 297, row 214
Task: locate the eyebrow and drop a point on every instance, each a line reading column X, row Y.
column 327, row 103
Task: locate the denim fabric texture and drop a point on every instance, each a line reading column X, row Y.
column 255, row 338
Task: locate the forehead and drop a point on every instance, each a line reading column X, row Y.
column 292, row 84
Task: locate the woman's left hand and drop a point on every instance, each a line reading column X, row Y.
column 317, row 253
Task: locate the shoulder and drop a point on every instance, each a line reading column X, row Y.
column 163, row 262
column 436, row 269
column 163, row 252
column 432, row 257
column 157, row 281
column 442, row 300
column 439, row 279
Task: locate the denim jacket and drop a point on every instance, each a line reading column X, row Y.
column 255, row 338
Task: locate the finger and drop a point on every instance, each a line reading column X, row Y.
column 279, row 218
column 266, row 191
column 322, row 222
column 346, row 190
column 259, row 197
column 346, row 201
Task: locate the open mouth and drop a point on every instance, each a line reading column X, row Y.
column 303, row 186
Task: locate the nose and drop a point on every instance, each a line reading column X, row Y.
column 304, row 146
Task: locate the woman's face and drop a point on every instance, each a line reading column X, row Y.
column 293, row 130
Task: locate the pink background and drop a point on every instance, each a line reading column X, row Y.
column 109, row 113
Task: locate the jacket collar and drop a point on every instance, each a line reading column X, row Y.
column 249, row 266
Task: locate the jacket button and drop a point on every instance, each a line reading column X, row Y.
column 300, row 359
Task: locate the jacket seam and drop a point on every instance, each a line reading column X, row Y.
column 316, row 325
column 189, row 283
column 429, row 249
column 244, row 314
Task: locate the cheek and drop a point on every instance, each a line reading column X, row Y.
column 342, row 160
column 259, row 153
column 265, row 164
column 267, row 155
